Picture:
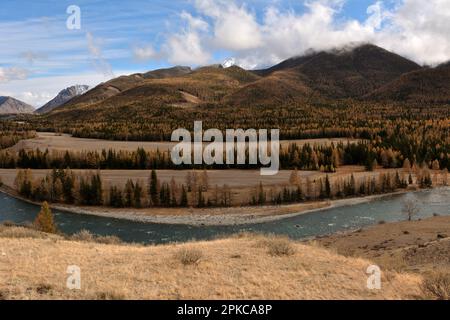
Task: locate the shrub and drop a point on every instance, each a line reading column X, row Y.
column 44, row 288
column 280, row 247
column 87, row 236
column 3, row 295
column 8, row 223
column 189, row 256
column 108, row 240
column 109, row 296
column 437, row 286
column 83, row 235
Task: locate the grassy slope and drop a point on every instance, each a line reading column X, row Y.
column 234, row 268
column 417, row 246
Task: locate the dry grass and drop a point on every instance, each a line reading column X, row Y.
column 19, row 232
column 437, row 286
column 234, row 268
column 63, row 142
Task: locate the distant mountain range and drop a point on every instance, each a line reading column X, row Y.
column 367, row 73
column 9, row 105
column 63, row 97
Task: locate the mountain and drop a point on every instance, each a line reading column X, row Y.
column 115, row 86
column 200, row 87
column 167, row 73
column 425, row 85
column 9, row 105
column 62, row 97
column 358, row 73
column 349, row 72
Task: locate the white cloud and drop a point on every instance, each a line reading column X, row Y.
column 145, row 53
column 100, row 63
column 420, row 30
column 187, row 46
column 235, row 27
column 13, row 73
column 186, row 49
column 414, row 28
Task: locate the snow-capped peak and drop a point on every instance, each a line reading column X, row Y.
column 229, row 62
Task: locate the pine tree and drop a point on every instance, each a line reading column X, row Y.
column 129, row 193
column 44, row 221
column 184, row 198
column 153, row 189
column 327, row 187
column 293, row 179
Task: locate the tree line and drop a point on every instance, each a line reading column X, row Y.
column 325, row 158
column 88, row 189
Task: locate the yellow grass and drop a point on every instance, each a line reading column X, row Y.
column 63, row 142
column 234, row 268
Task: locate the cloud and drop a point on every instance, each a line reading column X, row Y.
column 413, row 28
column 13, row 73
column 235, row 27
column 31, row 57
column 419, row 30
column 145, row 53
column 187, row 46
column 100, row 63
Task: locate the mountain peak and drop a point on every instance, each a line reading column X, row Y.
column 62, row 97
column 350, row 71
column 10, row 105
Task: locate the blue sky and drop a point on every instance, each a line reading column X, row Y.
column 40, row 56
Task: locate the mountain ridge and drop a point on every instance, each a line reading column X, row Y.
column 62, row 97
column 357, row 73
column 10, row 105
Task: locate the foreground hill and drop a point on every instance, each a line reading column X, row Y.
column 246, row 267
column 9, row 105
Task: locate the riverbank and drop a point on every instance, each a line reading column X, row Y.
column 418, row 246
column 232, row 216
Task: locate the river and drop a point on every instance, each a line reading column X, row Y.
column 389, row 208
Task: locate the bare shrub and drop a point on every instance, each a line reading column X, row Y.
column 437, row 286
column 108, row 240
column 3, row 295
column 280, row 247
column 109, row 296
column 8, row 223
column 189, row 256
column 87, row 236
column 410, row 209
column 83, row 235
column 44, row 289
